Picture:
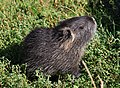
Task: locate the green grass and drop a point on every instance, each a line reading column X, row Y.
column 19, row 17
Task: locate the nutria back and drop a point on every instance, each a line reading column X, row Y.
column 58, row 50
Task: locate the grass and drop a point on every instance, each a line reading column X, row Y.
column 19, row 17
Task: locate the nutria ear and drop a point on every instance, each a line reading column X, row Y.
column 68, row 33
column 68, row 37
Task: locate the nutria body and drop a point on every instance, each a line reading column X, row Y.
column 58, row 50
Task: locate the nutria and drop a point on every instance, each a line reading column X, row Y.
column 58, row 50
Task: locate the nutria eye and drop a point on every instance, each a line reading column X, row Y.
column 81, row 27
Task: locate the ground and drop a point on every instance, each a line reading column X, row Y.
column 19, row 17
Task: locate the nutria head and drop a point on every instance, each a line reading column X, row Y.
column 78, row 30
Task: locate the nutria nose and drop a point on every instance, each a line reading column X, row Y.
column 94, row 20
column 95, row 23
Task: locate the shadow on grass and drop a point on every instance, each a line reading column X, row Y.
column 108, row 11
column 14, row 53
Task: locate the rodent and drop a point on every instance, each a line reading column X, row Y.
column 58, row 50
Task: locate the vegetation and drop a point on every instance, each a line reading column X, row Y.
column 19, row 17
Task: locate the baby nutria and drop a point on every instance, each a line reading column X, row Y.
column 58, row 50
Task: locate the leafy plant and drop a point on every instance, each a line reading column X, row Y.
column 19, row 17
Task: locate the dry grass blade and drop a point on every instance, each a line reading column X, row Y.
column 89, row 73
column 101, row 86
